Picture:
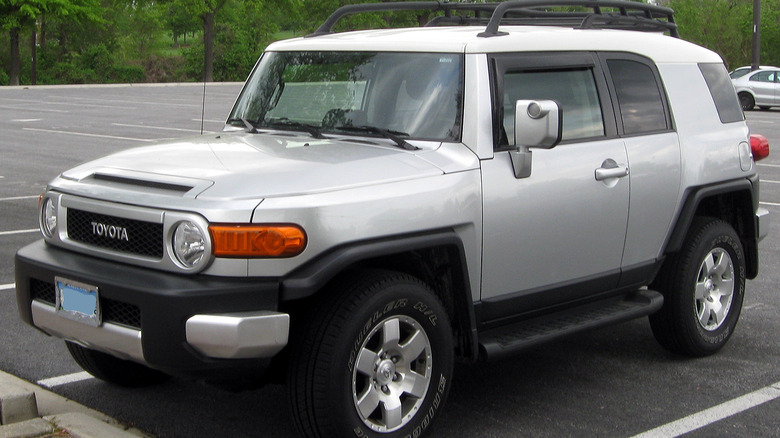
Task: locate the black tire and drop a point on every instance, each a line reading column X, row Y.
column 344, row 377
column 113, row 370
column 746, row 101
column 764, row 108
column 703, row 287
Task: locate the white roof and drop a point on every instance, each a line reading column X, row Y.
column 462, row 39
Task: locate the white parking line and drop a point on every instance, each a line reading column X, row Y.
column 64, row 380
column 10, row 233
column 714, row 414
column 769, row 181
column 17, row 198
column 773, row 204
column 84, row 134
column 767, row 165
column 7, row 286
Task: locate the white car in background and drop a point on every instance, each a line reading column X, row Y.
column 742, row 71
column 758, row 88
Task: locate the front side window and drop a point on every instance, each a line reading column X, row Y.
column 573, row 89
column 416, row 95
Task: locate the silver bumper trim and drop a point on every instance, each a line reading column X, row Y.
column 116, row 340
column 239, row 335
column 762, row 222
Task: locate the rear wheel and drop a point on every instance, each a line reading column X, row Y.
column 703, row 287
column 374, row 359
column 113, row 370
column 746, row 101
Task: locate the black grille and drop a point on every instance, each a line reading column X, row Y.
column 142, row 238
column 40, row 290
column 121, row 313
column 113, row 311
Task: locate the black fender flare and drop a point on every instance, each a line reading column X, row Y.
column 308, row 279
column 694, row 198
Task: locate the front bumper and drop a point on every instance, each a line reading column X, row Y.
column 182, row 324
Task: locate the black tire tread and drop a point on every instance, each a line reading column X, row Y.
column 667, row 323
column 320, row 332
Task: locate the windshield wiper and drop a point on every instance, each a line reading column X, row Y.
column 395, row 136
column 286, row 123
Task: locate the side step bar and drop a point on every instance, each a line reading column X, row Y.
column 499, row 342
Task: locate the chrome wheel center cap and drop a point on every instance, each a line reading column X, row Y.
column 709, row 285
column 385, row 372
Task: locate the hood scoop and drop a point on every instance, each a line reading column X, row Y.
column 147, row 182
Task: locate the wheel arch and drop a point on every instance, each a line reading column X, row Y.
column 734, row 202
column 436, row 258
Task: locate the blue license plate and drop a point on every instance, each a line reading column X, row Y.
column 77, row 301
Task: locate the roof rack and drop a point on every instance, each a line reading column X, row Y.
column 625, row 15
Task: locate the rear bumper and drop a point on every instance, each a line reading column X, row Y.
column 181, row 324
column 762, row 223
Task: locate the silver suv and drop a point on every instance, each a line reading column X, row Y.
column 383, row 202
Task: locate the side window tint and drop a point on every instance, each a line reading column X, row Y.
column 574, row 90
column 640, row 100
column 722, row 92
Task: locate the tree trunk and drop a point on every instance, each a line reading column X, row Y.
column 15, row 59
column 208, row 46
column 34, row 50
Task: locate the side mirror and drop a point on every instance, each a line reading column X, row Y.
column 538, row 124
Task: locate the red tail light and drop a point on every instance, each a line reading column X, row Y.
column 759, row 145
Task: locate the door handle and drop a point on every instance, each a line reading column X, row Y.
column 610, row 169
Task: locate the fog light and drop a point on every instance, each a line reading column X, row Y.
column 189, row 244
column 48, row 217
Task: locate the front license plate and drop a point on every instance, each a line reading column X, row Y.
column 77, row 301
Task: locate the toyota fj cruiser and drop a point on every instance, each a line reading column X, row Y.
column 384, row 202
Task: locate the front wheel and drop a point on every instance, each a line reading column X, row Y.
column 374, row 359
column 703, row 287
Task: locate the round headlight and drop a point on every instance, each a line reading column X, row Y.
column 189, row 244
column 48, row 217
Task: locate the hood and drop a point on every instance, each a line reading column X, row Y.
column 240, row 165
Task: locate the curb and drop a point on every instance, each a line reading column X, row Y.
column 30, row 411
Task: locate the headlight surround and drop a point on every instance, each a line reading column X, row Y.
column 48, row 217
column 189, row 244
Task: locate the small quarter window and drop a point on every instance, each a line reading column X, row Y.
column 639, row 97
column 722, row 92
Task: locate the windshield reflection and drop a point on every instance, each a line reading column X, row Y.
column 418, row 95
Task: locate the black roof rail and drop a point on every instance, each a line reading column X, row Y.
column 630, row 16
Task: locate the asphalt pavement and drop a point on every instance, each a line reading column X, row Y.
column 615, row 382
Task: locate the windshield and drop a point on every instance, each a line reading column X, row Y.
column 415, row 95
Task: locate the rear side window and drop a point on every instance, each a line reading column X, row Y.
column 722, row 92
column 640, row 99
column 764, row 76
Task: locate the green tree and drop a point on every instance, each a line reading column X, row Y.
column 18, row 15
column 206, row 10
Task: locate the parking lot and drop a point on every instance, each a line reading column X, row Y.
column 615, row 382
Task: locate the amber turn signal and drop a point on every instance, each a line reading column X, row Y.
column 250, row 240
